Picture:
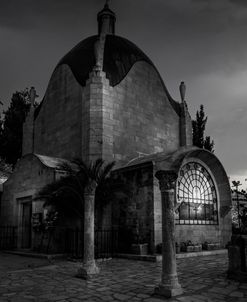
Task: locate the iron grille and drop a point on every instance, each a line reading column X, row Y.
column 196, row 194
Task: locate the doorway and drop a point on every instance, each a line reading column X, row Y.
column 26, row 225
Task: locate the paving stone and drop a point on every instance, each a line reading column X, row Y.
column 143, row 296
column 236, row 294
column 188, row 299
column 152, row 299
column 121, row 297
column 203, row 280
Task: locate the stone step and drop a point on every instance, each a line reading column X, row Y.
column 157, row 258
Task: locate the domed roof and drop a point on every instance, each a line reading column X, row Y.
column 119, row 56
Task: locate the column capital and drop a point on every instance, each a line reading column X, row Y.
column 167, row 179
column 90, row 188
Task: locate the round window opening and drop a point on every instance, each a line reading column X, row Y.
column 196, row 195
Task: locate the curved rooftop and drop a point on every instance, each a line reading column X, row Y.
column 119, row 55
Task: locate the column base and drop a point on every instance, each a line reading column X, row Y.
column 167, row 291
column 87, row 270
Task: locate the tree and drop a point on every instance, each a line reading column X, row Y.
column 57, row 194
column 5, row 169
column 198, row 129
column 81, row 184
column 11, row 127
column 236, row 214
column 208, row 144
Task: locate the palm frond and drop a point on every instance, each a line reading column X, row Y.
column 67, row 193
column 105, row 171
column 82, row 167
column 55, row 187
column 67, row 167
column 95, row 168
column 112, row 189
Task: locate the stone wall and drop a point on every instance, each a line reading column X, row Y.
column 58, row 125
column 29, row 176
column 103, row 121
column 134, row 214
column 197, row 233
column 143, row 118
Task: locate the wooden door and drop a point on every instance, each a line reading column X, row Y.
column 26, row 225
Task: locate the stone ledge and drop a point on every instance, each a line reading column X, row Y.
column 202, row 253
column 151, row 258
column 36, row 255
column 158, row 258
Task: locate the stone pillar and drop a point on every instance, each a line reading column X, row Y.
column 169, row 285
column 28, row 126
column 97, row 122
column 185, row 120
column 89, row 267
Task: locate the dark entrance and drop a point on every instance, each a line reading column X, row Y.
column 26, row 223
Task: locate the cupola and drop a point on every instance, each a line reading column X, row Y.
column 106, row 20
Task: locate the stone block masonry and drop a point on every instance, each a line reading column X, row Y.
column 142, row 118
column 58, row 130
column 21, row 185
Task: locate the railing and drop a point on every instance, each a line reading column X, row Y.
column 105, row 243
column 8, row 237
column 74, row 242
column 108, row 242
column 70, row 241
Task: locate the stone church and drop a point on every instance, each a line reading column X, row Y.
column 106, row 99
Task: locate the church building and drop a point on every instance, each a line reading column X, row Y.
column 106, row 99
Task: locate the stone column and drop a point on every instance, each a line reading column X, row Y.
column 28, row 126
column 89, row 267
column 169, row 285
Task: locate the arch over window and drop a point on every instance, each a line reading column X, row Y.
column 196, row 192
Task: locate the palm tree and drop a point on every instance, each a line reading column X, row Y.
column 57, row 193
column 81, row 183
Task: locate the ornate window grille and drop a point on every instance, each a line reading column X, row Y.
column 196, row 192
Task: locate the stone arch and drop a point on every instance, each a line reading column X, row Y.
column 178, row 159
column 217, row 171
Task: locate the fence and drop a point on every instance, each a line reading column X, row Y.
column 8, row 237
column 106, row 243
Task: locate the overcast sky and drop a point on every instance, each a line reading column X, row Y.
column 201, row 42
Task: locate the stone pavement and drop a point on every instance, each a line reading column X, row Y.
column 202, row 278
column 13, row 263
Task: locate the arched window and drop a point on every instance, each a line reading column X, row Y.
column 196, row 192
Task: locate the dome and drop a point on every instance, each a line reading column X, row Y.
column 119, row 56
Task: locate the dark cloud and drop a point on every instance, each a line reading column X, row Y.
column 239, row 2
column 224, row 2
column 26, row 14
